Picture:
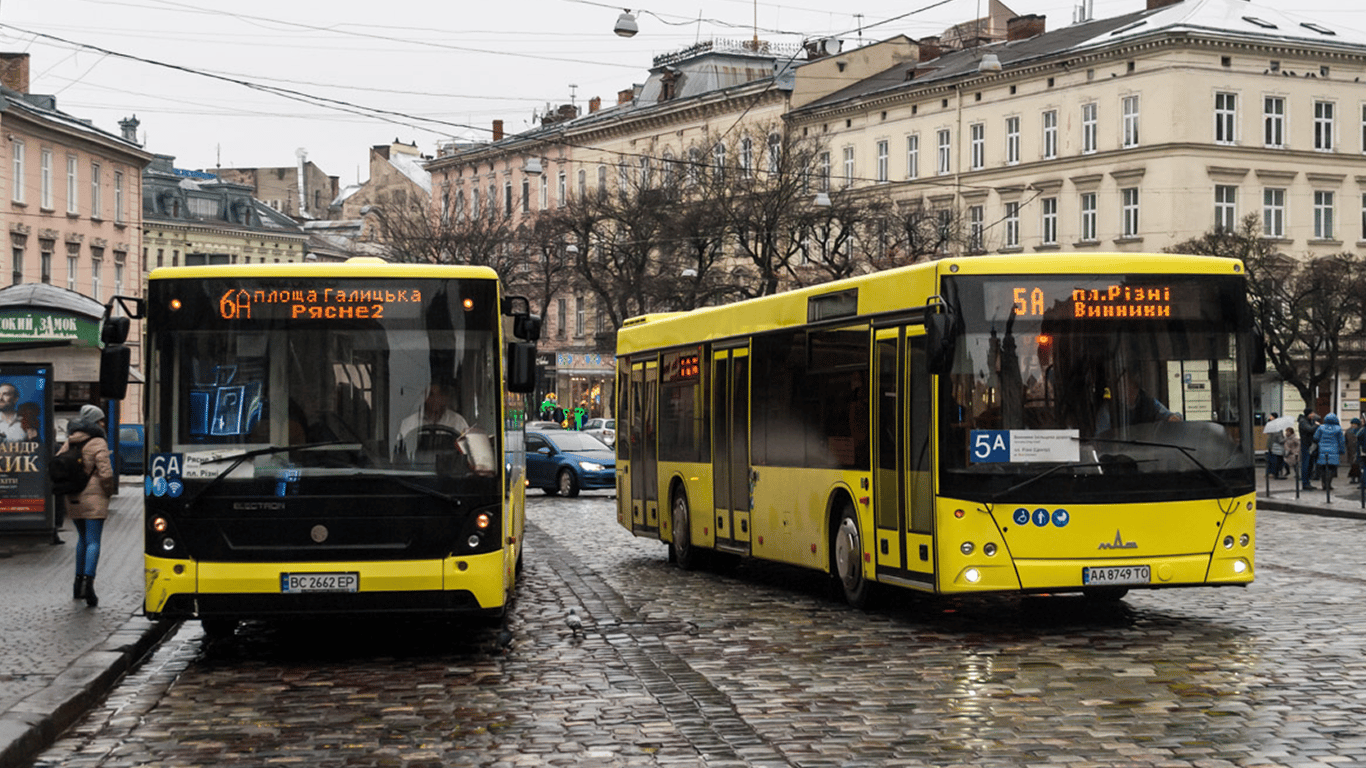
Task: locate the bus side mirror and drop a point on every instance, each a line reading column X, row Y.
column 115, row 364
column 521, row 367
column 527, row 327
column 1258, row 353
column 939, row 342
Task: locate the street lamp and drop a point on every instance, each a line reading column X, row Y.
column 626, row 24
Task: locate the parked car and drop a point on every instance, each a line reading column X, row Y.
column 603, row 429
column 130, row 449
column 536, row 425
column 565, row 461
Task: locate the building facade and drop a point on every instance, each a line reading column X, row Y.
column 73, row 219
column 302, row 191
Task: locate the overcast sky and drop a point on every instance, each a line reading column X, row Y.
column 246, row 83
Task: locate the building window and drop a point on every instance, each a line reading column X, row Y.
column 561, row 190
column 1273, row 121
column 1323, row 215
column 45, row 179
column 96, row 202
column 979, row 145
column 823, row 172
column 913, row 156
column 1225, row 117
column 1050, row 220
column 526, row 193
column 1128, row 199
column 1012, row 225
column 1088, row 217
column 1363, row 128
column 543, row 196
column 72, row 185
column 882, row 160
column 976, row 227
column 944, row 165
column 848, row 167
column 775, row 161
column 1323, row 126
column 1273, row 212
column 96, row 267
column 119, row 216
column 17, row 244
column 1012, row 140
column 17, row 187
column 746, row 158
column 718, row 157
column 580, row 317
column 1225, row 207
column 561, row 318
column 1130, row 112
column 45, row 249
column 602, row 182
column 73, row 263
column 1088, row 128
column 583, row 183
column 1050, row 134
column 120, row 258
column 475, row 208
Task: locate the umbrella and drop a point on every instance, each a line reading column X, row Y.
column 1279, row 424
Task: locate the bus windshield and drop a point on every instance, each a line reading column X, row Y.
column 1120, row 388
column 404, row 386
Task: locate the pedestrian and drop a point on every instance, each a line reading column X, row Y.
column 89, row 508
column 1275, row 453
column 1353, row 451
column 1292, row 449
column 1306, row 425
column 1332, row 447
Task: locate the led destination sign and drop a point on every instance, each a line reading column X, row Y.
column 1061, row 299
column 314, row 304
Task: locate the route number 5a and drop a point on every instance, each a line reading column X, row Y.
column 990, row 445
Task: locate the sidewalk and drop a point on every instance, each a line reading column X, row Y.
column 60, row 656
column 1346, row 499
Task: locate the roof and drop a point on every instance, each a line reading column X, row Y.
column 45, row 107
column 412, row 167
column 1235, row 19
column 50, row 297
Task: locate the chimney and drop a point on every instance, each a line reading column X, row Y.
column 625, row 96
column 497, row 130
column 594, row 104
column 566, row 112
column 129, row 127
column 929, row 48
column 14, row 71
column 1155, row 4
column 1025, row 27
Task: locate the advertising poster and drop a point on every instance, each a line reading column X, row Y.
column 25, row 445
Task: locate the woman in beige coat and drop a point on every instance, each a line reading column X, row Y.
column 89, row 508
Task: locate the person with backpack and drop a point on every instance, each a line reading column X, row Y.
column 88, row 507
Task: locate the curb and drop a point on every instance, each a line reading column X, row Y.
column 36, row 722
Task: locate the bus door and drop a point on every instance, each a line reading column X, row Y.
column 643, row 468
column 903, row 501
column 730, row 456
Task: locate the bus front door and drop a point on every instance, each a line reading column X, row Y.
column 644, row 479
column 903, row 501
column 730, row 456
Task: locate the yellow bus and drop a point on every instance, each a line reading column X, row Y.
column 1008, row 424
column 333, row 439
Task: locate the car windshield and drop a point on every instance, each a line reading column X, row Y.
column 576, row 441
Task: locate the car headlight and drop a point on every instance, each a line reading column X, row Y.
column 590, row 466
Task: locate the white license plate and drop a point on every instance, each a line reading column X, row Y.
column 319, row 582
column 1116, row 574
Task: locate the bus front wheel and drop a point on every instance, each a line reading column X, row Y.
column 847, row 556
column 685, row 554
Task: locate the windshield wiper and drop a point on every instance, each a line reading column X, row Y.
column 1036, row 478
column 406, row 483
column 1219, row 481
column 238, row 458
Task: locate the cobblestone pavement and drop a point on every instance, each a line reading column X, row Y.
column 758, row 667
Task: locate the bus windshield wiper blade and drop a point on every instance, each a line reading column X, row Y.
column 1218, row 481
column 1036, row 478
column 238, row 458
column 406, row 483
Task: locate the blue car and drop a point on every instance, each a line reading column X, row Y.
column 563, row 461
column 130, row 449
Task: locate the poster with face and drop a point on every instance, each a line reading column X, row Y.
column 25, row 444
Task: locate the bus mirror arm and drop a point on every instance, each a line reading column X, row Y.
column 940, row 333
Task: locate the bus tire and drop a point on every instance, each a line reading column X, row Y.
column 1106, row 594
column 681, row 548
column 218, row 628
column 567, row 483
column 846, row 559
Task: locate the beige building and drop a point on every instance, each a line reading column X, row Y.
column 73, row 219
column 280, row 187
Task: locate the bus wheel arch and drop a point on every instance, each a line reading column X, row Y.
column 846, row 553
column 682, row 550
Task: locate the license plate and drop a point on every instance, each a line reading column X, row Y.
column 1116, row 574
column 319, row 582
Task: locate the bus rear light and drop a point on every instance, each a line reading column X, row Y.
column 483, row 521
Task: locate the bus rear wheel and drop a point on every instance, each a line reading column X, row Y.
column 847, row 560
column 684, row 553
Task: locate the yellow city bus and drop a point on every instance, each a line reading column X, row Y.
column 1008, row 424
column 337, row 438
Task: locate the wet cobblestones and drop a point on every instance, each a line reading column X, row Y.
column 758, row 667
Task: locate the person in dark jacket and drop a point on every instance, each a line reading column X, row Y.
column 1332, row 447
column 1306, row 423
column 89, row 508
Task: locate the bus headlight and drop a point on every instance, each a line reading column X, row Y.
column 989, row 548
column 483, row 521
column 1244, row 540
column 159, row 524
column 1240, row 565
column 966, row 548
column 972, row 575
column 473, row 540
column 1228, row 542
column 168, row 544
